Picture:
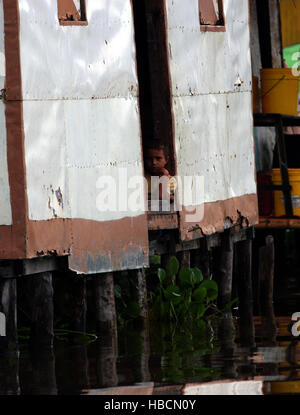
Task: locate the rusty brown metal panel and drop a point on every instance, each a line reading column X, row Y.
column 12, row 241
column 108, row 246
column 240, row 211
column 158, row 221
column 67, row 8
column 207, row 12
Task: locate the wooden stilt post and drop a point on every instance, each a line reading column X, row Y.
column 8, row 308
column 106, row 318
column 185, row 259
column 9, row 373
column 243, row 271
column 266, row 278
column 226, row 334
column 42, row 312
column 80, row 369
column 106, row 361
column 224, row 270
column 43, row 372
column 200, row 258
column 141, row 357
column 78, row 302
column 139, row 278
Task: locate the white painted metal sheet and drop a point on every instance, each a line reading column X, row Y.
column 45, row 158
column 77, row 62
column 211, row 88
column 208, row 62
column 5, row 205
column 69, row 146
column 81, row 115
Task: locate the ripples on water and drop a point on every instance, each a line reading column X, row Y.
column 160, row 360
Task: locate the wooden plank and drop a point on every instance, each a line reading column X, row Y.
column 278, row 223
column 275, row 34
column 160, row 221
column 43, row 264
column 160, row 247
column 269, row 120
column 8, row 269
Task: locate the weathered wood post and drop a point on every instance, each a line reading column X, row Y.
column 266, row 280
column 200, row 258
column 9, row 373
column 243, row 271
column 106, row 360
column 224, row 268
column 78, row 301
column 185, row 259
column 80, row 368
column 43, row 372
column 106, row 319
column 226, row 334
column 140, row 293
column 42, row 312
column 8, row 308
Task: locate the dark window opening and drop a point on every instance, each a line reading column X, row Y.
column 72, row 12
column 211, row 15
column 153, row 76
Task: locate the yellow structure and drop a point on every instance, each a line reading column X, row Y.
column 290, row 22
column 279, row 91
column 294, row 175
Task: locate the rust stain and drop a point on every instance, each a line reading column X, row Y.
column 239, row 211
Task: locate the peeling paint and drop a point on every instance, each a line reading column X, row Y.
column 59, row 197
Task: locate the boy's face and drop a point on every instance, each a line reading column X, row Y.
column 155, row 160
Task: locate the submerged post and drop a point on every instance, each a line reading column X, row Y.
column 243, row 270
column 266, row 279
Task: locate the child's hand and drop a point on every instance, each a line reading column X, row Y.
column 160, row 171
column 164, row 172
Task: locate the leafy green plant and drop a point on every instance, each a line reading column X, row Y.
column 182, row 294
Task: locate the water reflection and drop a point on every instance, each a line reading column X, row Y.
column 9, row 373
column 161, row 359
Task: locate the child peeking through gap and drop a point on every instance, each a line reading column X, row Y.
column 162, row 185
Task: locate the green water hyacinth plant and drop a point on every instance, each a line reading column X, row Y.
column 182, row 294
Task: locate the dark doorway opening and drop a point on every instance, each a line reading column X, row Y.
column 153, row 75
